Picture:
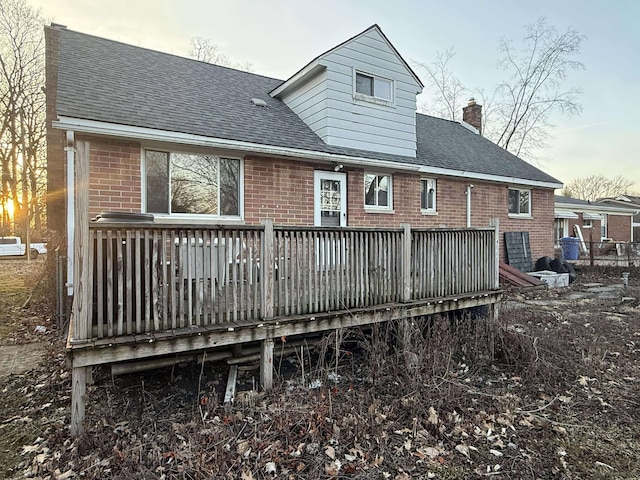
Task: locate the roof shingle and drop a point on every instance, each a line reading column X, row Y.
column 109, row 81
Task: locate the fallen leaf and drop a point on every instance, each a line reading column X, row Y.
column 497, row 453
column 332, row 468
column 65, row 475
column 430, row 452
column 463, row 449
column 270, row 467
column 433, row 416
column 330, row 452
column 246, row 475
column 29, row 449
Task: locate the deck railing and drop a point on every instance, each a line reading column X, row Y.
column 149, row 278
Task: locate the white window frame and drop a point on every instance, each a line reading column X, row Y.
column 378, row 208
column 191, row 217
column 373, row 98
column 430, row 182
column 519, row 214
column 564, row 224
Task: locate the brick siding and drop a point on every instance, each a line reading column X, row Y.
column 56, row 183
column 283, row 190
column 619, row 227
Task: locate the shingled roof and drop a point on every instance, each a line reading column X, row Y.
column 108, row 81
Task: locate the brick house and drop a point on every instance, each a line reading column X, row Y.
column 219, row 156
column 603, row 220
column 338, row 143
column 630, row 202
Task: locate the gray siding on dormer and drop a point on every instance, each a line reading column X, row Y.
column 327, row 103
column 309, row 102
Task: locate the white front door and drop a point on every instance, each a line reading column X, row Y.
column 330, row 199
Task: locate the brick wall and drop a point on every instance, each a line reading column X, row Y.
column 278, row 189
column 283, row 190
column 619, row 228
column 56, row 183
column 114, row 175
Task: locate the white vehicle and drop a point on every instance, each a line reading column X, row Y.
column 13, row 247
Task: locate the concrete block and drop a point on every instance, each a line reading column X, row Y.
column 552, row 279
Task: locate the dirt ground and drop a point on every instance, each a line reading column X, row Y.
column 549, row 390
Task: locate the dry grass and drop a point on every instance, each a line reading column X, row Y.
column 547, row 391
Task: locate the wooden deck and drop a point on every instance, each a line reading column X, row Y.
column 142, row 291
column 155, row 290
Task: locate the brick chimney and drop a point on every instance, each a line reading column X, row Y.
column 472, row 114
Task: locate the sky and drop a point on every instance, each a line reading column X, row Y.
column 278, row 37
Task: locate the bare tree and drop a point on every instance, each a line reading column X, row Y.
column 535, row 88
column 203, row 50
column 597, row 186
column 22, row 113
column 450, row 92
column 517, row 112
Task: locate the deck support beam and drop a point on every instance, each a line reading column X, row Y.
column 266, row 364
column 406, row 262
column 78, row 392
column 81, row 310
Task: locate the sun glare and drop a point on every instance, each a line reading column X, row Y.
column 8, row 208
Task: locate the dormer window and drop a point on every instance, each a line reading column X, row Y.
column 375, row 87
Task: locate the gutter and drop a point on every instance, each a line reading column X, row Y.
column 150, row 134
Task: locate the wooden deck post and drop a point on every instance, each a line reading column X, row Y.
column 406, row 262
column 266, row 364
column 82, row 276
column 266, row 268
column 495, row 223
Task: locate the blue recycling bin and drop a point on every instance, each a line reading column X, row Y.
column 570, row 248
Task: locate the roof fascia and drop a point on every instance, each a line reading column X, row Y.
column 304, row 71
column 310, row 70
column 621, row 210
column 488, row 177
column 94, row 127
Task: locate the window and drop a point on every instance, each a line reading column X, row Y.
column 561, row 229
column 428, row 195
column 374, row 86
column 186, row 183
column 377, row 191
column 587, row 223
column 519, row 202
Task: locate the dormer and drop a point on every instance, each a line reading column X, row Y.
column 360, row 94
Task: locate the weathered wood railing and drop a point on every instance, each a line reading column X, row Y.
column 150, row 278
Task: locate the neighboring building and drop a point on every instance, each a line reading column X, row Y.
column 604, row 220
column 632, row 202
column 338, row 143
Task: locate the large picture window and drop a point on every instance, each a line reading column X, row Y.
column 377, row 191
column 185, row 183
column 519, row 202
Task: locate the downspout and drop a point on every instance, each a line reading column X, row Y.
column 469, row 187
column 71, row 154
